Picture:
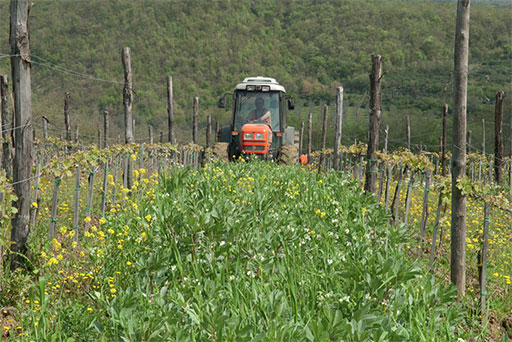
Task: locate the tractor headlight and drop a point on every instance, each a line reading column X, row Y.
column 265, row 88
column 248, row 136
column 259, row 136
column 250, row 88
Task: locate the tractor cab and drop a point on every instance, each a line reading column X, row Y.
column 258, row 124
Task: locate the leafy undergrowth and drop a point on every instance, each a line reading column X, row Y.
column 240, row 252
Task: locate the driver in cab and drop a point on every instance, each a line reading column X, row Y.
column 260, row 114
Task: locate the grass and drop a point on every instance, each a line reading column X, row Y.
column 242, row 251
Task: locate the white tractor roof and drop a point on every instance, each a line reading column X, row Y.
column 260, row 80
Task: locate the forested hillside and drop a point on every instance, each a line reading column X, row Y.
column 310, row 47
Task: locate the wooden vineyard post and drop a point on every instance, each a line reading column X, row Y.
column 76, row 134
column 374, row 124
column 408, row 132
column 217, row 131
column 310, row 134
column 396, row 199
column 161, row 137
column 45, row 127
column 408, row 197
column 67, row 122
column 324, row 136
column 195, row 117
column 424, row 213
column 443, row 143
column 128, row 103
column 436, row 229
column 99, row 138
column 88, row 210
column 208, row 130
column 170, row 112
column 388, row 186
column 483, row 137
column 6, row 127
column 37, row 195
column 339, row 126
column 458, row 217
column 150, row 134
column 301, row 138
column 498, row 142
column 104, row 189
column 105, row 129
column 53, row 210
column 23, row 144
column 114, row 180
column 468, row 142
column 76, row 200
column 482, row 260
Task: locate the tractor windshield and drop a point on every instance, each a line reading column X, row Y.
column 257, row 107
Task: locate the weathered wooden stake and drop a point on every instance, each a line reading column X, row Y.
column 443, row 143
column 436, row 229
column 37, row 195
column 99, row 138
column 374, row 124
column 301, row 138
column 396, row 199
column 161, row 137
column 76, row 200
column 386, row 133
column 339, row 126
column 104, row 189
column 88, row 210
column 424, row 213
column 170, row 111
column 128, row 103
column 324, row 136
column 469, row 142
column 53, row 210
column 408, row 197
column 310, row 134
column 482, row 260
column 408, row 132
column 76, row 134
column 45, row 127
column 67, row 122
column 6, row 127
column 208, row 130
column 150, row 133
column 23, row 145
column 458, row 217
column 105, row 129
column 388, row 186
column 195, row 117
column 498, row 142
column 483, row 137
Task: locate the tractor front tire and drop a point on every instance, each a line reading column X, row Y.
column 220, row 151
column 288, row 154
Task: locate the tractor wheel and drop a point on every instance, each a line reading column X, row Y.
column 220, row 151
column 288, row 154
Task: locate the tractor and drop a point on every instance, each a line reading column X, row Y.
column 258, row 127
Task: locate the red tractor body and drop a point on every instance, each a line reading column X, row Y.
column 255, row 138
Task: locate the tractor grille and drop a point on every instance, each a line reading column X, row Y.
column 254, row 148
